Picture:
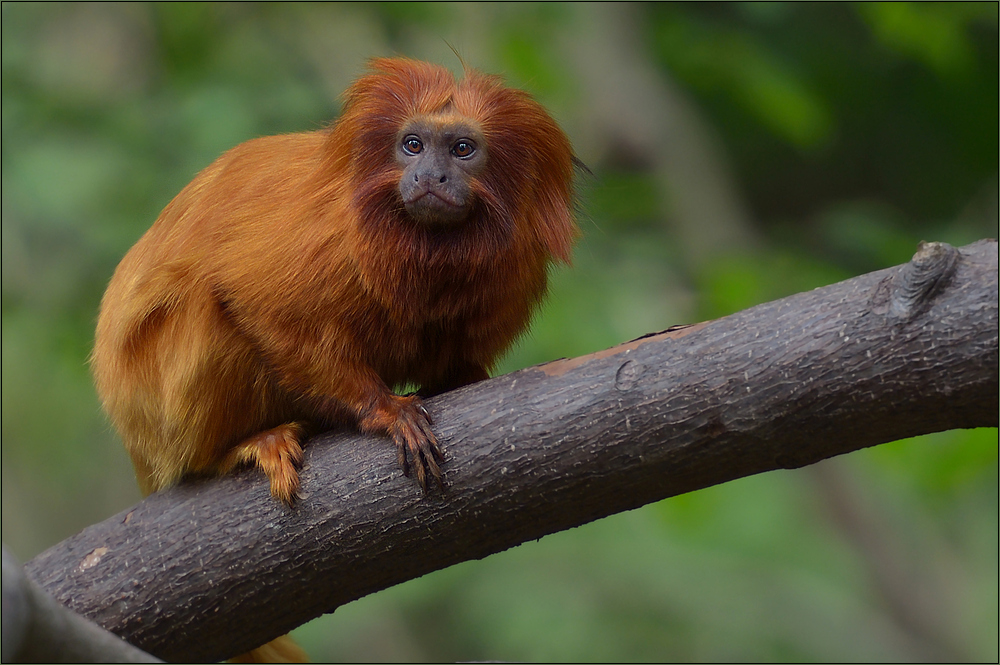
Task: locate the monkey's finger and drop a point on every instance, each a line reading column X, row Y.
column 436, row 451
column 427, row 434
column 294, row 455
column 401, row 455
column 418, row 464
column 417, row 442
column 427, row 452
column 432, row 466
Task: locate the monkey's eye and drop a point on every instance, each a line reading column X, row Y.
column 463, row 148
column 412, row 145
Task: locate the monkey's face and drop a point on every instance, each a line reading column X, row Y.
column 440, row 156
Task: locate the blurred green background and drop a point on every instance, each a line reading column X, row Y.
column 741, row 153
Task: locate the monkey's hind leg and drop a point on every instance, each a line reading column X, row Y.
column 277, row 453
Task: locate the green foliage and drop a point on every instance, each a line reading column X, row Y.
column 935, row 34
column 852, row 131
column 738, row 64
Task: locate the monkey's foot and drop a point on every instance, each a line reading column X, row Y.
column 406, row 420
column 277, row 453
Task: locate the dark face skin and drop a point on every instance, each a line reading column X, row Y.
column 440, row 156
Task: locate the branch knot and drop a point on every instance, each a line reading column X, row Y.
column 920, row 279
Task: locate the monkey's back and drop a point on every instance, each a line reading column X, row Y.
column 179, row 381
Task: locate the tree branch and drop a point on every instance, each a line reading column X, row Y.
column 215, row 567
column 37, row 629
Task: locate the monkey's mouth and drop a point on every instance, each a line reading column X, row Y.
column 429, row 197
column 430, row 206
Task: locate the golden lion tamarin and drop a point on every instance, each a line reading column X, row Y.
column 300, row 277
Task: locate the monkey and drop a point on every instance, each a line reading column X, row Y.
column 299, row 279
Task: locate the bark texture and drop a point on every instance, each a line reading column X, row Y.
column 213, row 568
column 37, row 629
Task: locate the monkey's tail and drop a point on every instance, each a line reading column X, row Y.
column 279, row 650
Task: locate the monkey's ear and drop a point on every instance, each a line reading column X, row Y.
column 578, row 163
column 554, row 205
column 554, row 225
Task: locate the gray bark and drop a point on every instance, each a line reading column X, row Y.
column 37, row 629
column 213, row 568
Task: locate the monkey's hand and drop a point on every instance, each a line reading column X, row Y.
column 406, row 420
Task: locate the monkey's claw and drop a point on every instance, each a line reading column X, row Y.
column 409, row 424
column 415, row 439
column 278, row 454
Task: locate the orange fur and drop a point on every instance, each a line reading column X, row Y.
column 279, row 650
column 287, row 285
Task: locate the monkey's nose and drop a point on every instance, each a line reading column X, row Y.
column 430, row 177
